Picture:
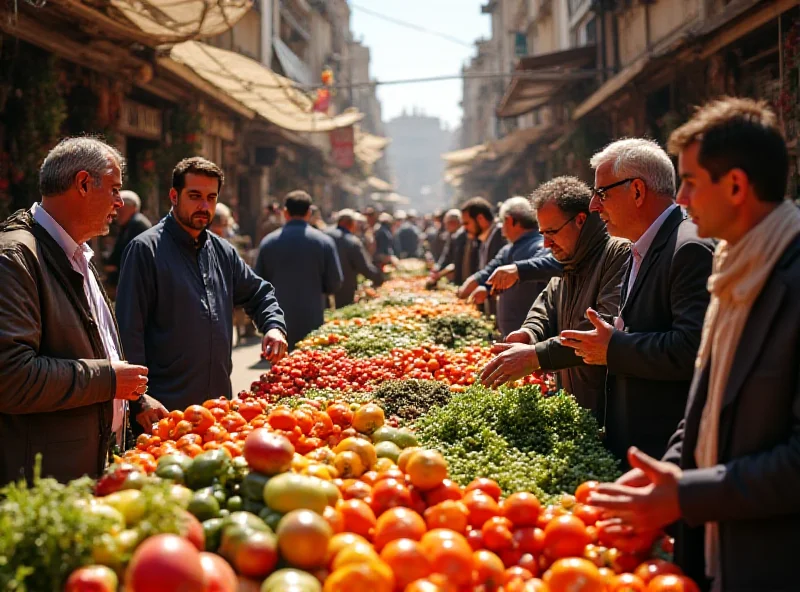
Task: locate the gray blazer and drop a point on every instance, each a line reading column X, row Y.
column 754, row 491
column 354, row 261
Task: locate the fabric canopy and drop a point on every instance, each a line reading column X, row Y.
column 257, row 87
column 465, row 156
column 170, row 21
column 369, row 147
column 377, row 184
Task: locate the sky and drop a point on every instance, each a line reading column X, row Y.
column 400, row 53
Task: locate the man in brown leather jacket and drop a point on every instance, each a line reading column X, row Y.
column 64, row 387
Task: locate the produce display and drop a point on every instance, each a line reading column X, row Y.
column 347, row 472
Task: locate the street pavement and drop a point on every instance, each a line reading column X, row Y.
column 247, row 364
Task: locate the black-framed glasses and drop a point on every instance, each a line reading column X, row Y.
column 552, row 233
column 601, row 192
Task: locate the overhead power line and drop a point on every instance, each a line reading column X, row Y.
column 533, row 75
column 413, row 26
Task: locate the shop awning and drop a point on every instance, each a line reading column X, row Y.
column 379, row 185
column 611, row 87
column 529, row 88
column 369, row 147
column 171, row 21
column 258, row 88
column 464, row 156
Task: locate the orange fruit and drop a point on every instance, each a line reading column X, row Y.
column 334, row 518
column 481, row 507
column 427, row 469
column 303, row 538
column 358, row 517
column 342, row 541
column 565, row 536
column 496, row 533
column 584, row 489
column 448, row 514
column 672, row 583
column 448, row 490
column 368, row 418
column 574, row 573
column 398, row 523
column 487, row 486
column 656, row 567
column 356, row 553
column 449, row 556
column 626, row 583
column 348, row 464
column 487, row 570
column 407, row 561
column 521, row 508
column 374, row 576
column 362, row 447
column 402, row 460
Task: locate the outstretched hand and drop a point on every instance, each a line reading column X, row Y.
column 591, row 346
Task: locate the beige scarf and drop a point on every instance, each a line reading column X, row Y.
column 740, row 272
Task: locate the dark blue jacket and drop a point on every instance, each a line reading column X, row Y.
column 354, row 261
column 384, row 242
column 175, row 304
column 407, row 241
column 513, row 304
column 302, row 263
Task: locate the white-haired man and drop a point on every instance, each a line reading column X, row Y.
column 352, row 256
column 521, row 229
column 651, row 348
column 131, row 224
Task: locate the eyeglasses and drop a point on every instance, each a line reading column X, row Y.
column 552, row 233
column 601, row 192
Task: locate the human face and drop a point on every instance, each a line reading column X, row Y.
column 560, row 233
column 470, row 225
column 103, row 201
column 196, row 205
column 708, row 203
column 618, row 208
column 451, row 225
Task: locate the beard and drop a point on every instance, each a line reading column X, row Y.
column 197, row 220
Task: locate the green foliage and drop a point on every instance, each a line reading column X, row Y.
column 46, row 531
column 523, row 440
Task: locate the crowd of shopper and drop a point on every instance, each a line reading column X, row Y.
column 669, row 312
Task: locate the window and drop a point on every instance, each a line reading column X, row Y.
column 591, row 31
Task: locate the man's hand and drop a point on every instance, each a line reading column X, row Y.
column 645, row 507
column 152, row 411
column 274, row 345
column 592, row 346
column 465, row 289
column 479, row 296
column 131, row 381
column 518, row 336
column 515, row 362
column 504, row 277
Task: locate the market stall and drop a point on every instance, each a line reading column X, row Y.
column 367, row 460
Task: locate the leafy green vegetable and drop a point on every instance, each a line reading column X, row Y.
column 521, row 439
column 459, row 330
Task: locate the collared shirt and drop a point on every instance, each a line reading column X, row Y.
column 79, row 257
column 640, row 247
column 175, row 304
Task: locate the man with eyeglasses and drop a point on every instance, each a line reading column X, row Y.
column 650, row 346
column 593, row 264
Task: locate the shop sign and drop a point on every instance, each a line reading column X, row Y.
column 140, row 121
column 342, row 147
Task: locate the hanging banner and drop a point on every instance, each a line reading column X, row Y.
column 343, row 147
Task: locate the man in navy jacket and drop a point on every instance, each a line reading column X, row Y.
column 303, row 265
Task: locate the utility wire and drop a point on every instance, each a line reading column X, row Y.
column 413, row 26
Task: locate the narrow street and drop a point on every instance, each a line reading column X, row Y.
column 247, row 363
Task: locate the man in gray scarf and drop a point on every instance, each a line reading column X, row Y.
column 593, row 266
